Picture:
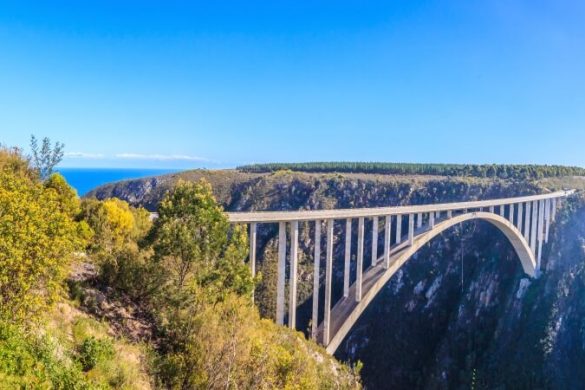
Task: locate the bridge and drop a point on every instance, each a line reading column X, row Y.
column 401, row 231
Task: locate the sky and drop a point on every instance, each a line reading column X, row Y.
column 216, row 84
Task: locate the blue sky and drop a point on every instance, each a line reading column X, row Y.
column 215, row 84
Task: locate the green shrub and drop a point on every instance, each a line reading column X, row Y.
column 93, row 351
column 29, row 362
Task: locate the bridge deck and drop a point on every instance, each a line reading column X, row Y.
column 313, row 215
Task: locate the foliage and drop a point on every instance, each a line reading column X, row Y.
column 39, row 236
column 45, row 158
column 29, row 362
column 12, row 160
column 194, row 242
column 68, row 199
column 517, row 172
column 92, row 351
column 114, row 223
column 229, row 346
column 213, row 336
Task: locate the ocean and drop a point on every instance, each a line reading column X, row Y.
column 86, row 179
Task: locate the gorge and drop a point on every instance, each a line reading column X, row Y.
column 461, row 313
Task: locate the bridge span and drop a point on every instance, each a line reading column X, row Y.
column 401, row 231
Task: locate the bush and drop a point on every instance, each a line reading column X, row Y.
column 93, row 351
column 38, row 237
column 26, row 362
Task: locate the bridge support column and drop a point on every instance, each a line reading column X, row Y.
column 316, row 271
column 292, row 291
column 346, row 267
column 511, row 216
column 540, row 235
column 437, row 215
column 432, row 219
column 554, row 209
column 374, row 240
column 387, row 238
column 253, row 251
column 419, row 220
column 411, row 229
column 328, row 281
column 520, row 217
column 502, row 210
column 449, row 214
column 491, row 209
column 398, row 229
column 360, row 260
column 527, row 221
column 281, row 273
column 533, row 227
column 547, row 204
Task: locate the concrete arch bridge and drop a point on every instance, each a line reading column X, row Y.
column 401, row 231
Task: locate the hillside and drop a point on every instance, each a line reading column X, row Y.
column 461, row 313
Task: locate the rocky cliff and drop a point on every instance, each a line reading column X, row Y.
column 461, row 313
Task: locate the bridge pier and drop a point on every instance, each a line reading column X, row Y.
column 292, row 290
column 520, row 219
column 387, row 238
column 346, row 268
column 410, row 229
column 398, row 229
column 511, row 215
column 281, row 273
column 360, row 260
column 527, row 221
column 540, row 235
column 328, row 281
column 253, row 251
column 533, row 226
column 375, row 223
column 432, row 220
column 547, row 219
column 316, row 275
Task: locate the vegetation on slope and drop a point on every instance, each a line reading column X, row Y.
column 186, row 271
column 502, row 171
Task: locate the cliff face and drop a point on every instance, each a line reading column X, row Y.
column 459, row 314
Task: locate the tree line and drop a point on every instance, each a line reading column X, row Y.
column 502, row 171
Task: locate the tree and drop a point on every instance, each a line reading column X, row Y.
column 193, row 238
column 38, row 238
column 47, row 157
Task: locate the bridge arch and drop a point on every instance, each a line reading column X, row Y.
column 347, row 311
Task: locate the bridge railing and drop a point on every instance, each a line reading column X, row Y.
column 531, row 215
